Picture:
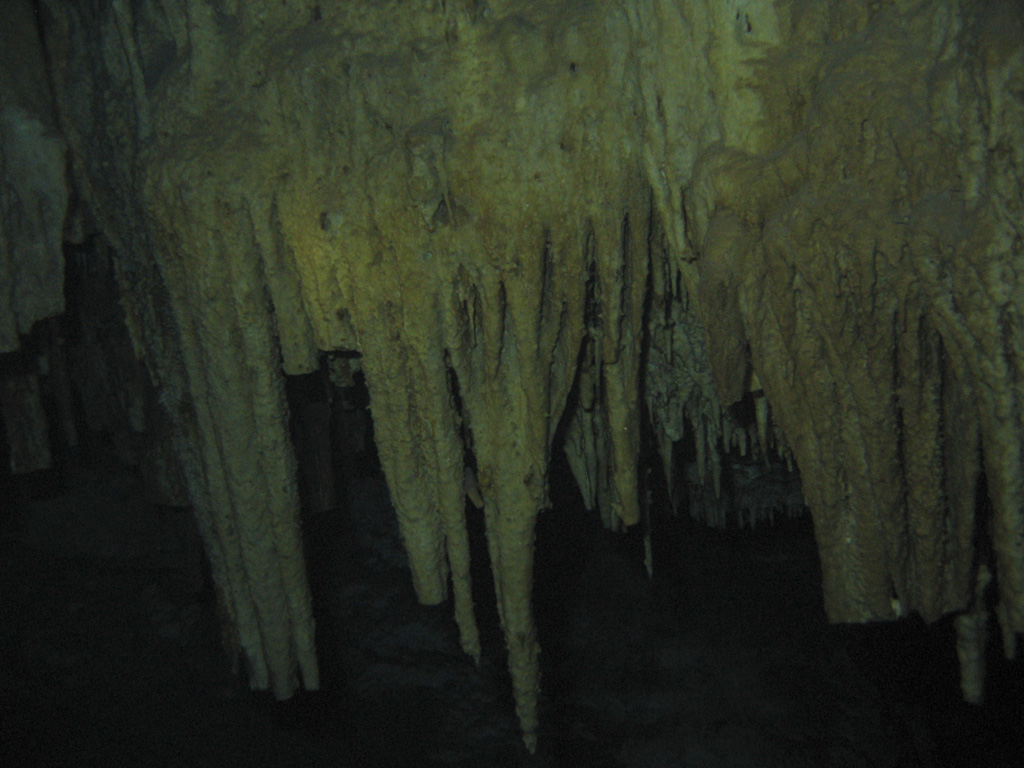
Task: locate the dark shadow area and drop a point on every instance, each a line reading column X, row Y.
column 111, row 654
column 725, row 656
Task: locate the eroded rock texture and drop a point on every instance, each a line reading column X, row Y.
column 33, row 190
column 539, row 224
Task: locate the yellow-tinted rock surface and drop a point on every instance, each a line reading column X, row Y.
column 520, row 213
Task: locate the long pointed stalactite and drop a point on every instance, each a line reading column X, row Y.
column 767, row 228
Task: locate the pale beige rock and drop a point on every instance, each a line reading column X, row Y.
column 682, row 200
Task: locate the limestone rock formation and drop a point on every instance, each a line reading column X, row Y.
column 765, row 226
column 33, row 193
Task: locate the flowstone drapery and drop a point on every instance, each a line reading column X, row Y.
column 539, row 220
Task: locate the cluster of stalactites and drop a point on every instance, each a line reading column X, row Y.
column 882, row 327
column 460, row 198
column 688, row 419
column 468, row 405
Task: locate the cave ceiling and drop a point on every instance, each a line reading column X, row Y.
column 780, row 229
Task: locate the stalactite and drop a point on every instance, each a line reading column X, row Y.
column 971, row 634
column 241, row 473
column 557, row 207
column 602, row 441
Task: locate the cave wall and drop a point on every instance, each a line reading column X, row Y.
column 552, row 220
column 33, row 191
column 33, row 206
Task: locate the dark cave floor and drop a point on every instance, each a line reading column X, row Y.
column 723, row 659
